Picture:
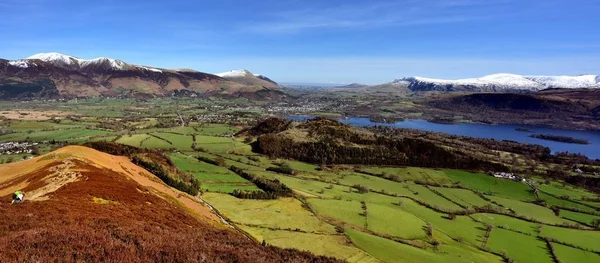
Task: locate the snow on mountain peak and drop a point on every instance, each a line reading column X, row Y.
column 70, row 62
column 566, row 81
column 54, row 57
column 513, row 81
column 114, row 63
column 238, row 73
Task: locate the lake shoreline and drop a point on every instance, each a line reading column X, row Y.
column 490, row 131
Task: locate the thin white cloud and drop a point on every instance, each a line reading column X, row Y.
column 373, row 15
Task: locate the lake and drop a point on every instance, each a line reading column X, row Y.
column 498, row 132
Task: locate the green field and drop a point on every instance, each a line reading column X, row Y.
column 583, row 238
column 464, row 197
column 328, row 245
column 491, row 185
column 213, row 178
column 530, row 210
column 507, row 222
column 133, row 140
column 579, row 217
column 521, row 248
column 179, row 142
column 462, row 227
column 390, row 251
column 72, row 135
column 572, row 255
column 391, row 220
column 559, row 189
column 343, row 211
column 286, row 213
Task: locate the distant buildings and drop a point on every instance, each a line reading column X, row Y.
column 16, row 147
column 511, row 176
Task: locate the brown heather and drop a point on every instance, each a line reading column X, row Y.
column 133, row 225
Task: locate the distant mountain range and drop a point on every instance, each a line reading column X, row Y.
column 53, row 75
column 499, row 83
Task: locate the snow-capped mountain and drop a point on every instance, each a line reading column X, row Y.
column 248, row 78
column 74, row 63
column 58, row 75
column 237, row 73
column 501, row 82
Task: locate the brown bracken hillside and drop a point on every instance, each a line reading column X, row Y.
column 82, row 205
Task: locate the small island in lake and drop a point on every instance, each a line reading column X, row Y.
column 444, row 120
column 558, row 138
column 523, row 130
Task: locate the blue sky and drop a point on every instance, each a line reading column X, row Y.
column 315, row 40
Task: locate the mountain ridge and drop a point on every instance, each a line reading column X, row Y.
column 68, row 76
column 501, row 82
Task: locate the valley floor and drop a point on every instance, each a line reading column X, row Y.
column 423, row 215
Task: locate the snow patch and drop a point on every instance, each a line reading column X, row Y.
column 150, row 69
column 19, row 63
column 239, row 73
column 114, row 63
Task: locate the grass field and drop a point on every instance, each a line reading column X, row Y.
column 507, row 222
column 579, row 217
column 153, row 142
column 461, row 227
column 489, row 184
column 582, row 238
column 572, row 255
column 530, row 210
column 372, row 182
column 343, row 211
column 558, row 189
column 426, row 195
column 390, row 251
column 551, row 200
column 412, row 173
column 464, row 197
column 73, row 134
column 390, row 220
column 328, row 245
column 213, row 178
column 519, row 247
column 179, row 142
column 133, row 140
column 285, row 213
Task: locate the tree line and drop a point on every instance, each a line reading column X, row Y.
column 271, row 189
column 379, row 151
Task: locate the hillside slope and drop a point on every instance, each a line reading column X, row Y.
column 82, row 205
column 325, row 141
column 563, row 108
